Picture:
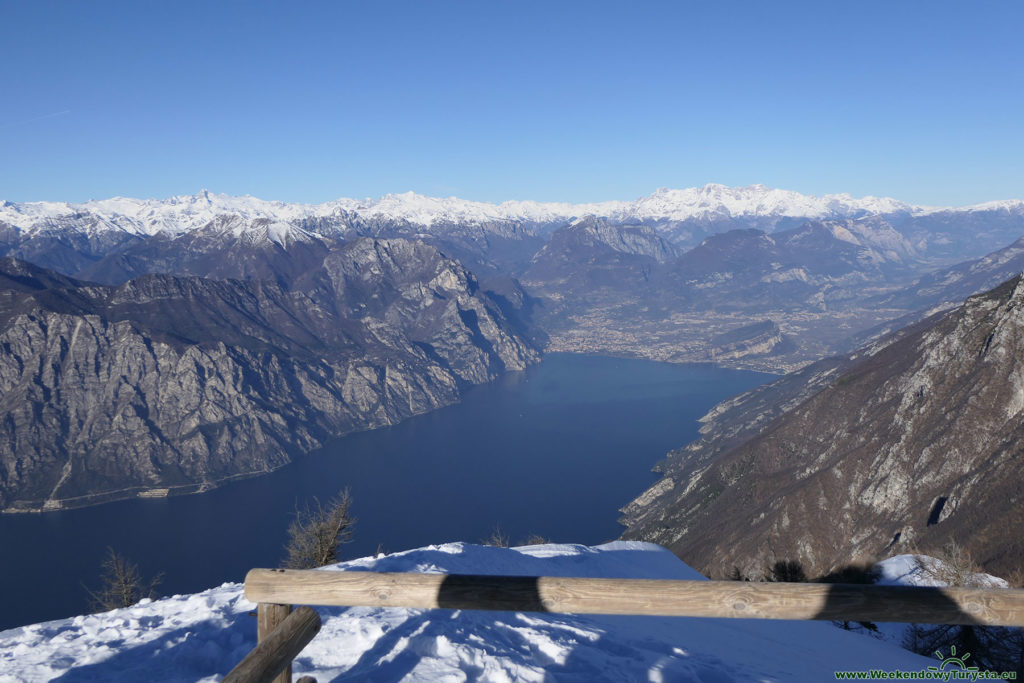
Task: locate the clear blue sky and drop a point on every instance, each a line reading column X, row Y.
column 573, row 101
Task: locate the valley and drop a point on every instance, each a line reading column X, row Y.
column 154, row 347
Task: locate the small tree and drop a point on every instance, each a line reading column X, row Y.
column 318, row 531
column 737, row 574
column 955, row 567
column 121, row 584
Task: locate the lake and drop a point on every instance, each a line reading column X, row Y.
column 554, row 451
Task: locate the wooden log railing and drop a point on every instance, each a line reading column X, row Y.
column 276, row 589
column 278, row 644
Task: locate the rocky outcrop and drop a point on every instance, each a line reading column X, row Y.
column 757, row 339
column 915, row 440
column 176, row 384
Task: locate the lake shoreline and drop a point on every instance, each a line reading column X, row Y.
column 555, row 450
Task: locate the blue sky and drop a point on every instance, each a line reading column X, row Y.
column 486, row 100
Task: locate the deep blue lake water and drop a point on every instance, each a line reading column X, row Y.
column 554, row 451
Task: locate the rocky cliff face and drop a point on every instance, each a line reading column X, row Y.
column 591, row 254
column 913, row 440
column 168, row 384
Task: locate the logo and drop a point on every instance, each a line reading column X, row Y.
column 953, row 668
column 952, row 660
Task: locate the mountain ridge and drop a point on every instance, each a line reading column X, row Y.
column 911, row 439
column 149, row 216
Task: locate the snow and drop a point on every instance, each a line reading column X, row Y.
column 188, row 212
column 202, row 636
column 1004, row 205
column 757, row 200
column 905, row 570
column 185, row 213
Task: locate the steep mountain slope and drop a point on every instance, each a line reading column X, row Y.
column 815, row 265
column 229, row 246
column 955, row 283
column 964, row 232
column 915, row 439
column 590, row 254
column 167, row 383
column 67, row 244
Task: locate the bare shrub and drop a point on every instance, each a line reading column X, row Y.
column 955, row 566
column 498, row 538
column 995, row 648
column 121, row 584
column 318, row 531
column 1015, row 578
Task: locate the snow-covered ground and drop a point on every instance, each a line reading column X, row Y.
column 202, row 636
column 906, row 570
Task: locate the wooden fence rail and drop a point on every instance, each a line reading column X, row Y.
column 276, row 589
column 730, row 599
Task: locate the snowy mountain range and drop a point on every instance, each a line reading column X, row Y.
column 186, row 212
column 798, row 275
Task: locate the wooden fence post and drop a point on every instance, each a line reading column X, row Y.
column 271, row 660
column 269, row 616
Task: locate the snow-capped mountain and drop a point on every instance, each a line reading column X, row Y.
column 144, row 216
column 489, row 237
column 715, row 201
column 181, row 213
column 773, row 252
